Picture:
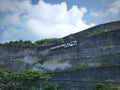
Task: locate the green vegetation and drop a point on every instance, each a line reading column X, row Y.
column 104, row 64
column 21, row 43
column 109, row 84
column 82, row 67
column 50, row 87
column 46, row 42
column 110, row 65
column 94, row 33
column 105, row 31
column 77, row 68
column 110, row 81
column 99, row 86
column 23, row 81
column 28, row 43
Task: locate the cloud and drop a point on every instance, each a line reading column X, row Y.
column 111, row 10
column 98, row 14
column 22, row 20
column 115, row 8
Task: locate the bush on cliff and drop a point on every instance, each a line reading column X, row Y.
column 28, row 43
column 109, row 84
column 50, row 41
column 50, row 87
column 23, row 81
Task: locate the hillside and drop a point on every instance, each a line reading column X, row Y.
column 94, row 52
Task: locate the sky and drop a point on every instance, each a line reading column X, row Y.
column 39, row 19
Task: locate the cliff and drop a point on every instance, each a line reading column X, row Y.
column 87, row 79
column 95, row 47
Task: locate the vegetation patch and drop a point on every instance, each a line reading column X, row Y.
column 109, row 84
column 50, row 86
column 82, row 67
column 46, row 42
column 28, row 43
column 110, row 65
column 105, row 31
column 94, row 33
column 23, row 81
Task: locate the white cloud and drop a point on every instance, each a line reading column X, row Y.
column 98, row 13
column 43, row 20
column 115, row 7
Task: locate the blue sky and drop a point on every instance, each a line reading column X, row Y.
column 39, row 19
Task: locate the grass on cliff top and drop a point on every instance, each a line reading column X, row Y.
column 28, row 43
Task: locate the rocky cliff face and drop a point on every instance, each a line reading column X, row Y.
column 96, row 47
column 87, row 79
column 93, row 47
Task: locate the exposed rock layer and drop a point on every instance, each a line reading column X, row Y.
column 96, row 46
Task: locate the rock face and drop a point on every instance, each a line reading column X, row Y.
column 94, row 47
column 86, row 79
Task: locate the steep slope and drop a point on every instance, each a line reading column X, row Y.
column 92, row 47
column 87, row 79
column 85, row 58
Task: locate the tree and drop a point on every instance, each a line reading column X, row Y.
column 50, row 41
column 8, row 79
column 30, row 77
column 24, row 81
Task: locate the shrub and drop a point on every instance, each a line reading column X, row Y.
column 105, row 31
column 110, row 81
column 81, row 67
column 50, row 87
column 99, row 86
column 113, row 88
column 94, row 33
column 50, row 41
column 24, row 81
column 28, row 43
column 108, row 84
